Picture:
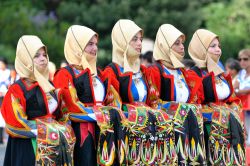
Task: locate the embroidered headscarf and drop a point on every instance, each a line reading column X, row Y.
column 76, row 40
column 26, row 50
column 198, row 51
column 123, row 54
column 165, row 38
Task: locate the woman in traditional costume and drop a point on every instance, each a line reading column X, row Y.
column 89, row 100
column 224, row 133
column 174, row 89
column 31, row 108
column 145, row 138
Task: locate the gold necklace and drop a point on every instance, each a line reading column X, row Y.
column 136, row 78
column 178, row 78
column 179, row 83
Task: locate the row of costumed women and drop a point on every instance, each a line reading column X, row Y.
column 126, row 114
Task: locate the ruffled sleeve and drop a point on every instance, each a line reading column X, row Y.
column 112, row 97
column 194, row 83
column 70, row 102
column 14, row 114
column 153, row 77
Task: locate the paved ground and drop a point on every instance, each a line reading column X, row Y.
column 2, row 149
column 2, row 152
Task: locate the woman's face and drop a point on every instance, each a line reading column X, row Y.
column 244, row 61
column 214, row 47
column 178, row 46
column 91, row 47
column 136, row 42
column 40, row 60
column 2, row 65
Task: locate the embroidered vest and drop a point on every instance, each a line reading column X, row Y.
column 124, row 87
column 35, row 105
column 166, row 85
column 209, row 91
column 82, row 85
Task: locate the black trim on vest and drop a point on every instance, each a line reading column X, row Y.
column 123, row 82
column 99, row 71
column 208, row 89
column 197, row 71
column 82, row 85
column 105, row 83
column 207, row 85
column 165, row 93
column 35, row 105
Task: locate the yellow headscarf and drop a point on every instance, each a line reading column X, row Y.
column 76, row 40
column 123, row 54
column 166, row 36
column 26, row 50
column 198, row 51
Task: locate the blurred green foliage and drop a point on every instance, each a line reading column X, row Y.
column 231, row 21
column 50, row 19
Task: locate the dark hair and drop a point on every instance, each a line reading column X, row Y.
column 233, row 64
column 4, row 60
column 188, row 63
column 148, row 56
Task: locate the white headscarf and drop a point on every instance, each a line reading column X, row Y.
column 76, row 40
column 165, row 38
column 26, row 50
column 123, row 54
column 198, row 51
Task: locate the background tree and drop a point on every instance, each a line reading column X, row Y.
column 149, row 14
column 14, row 22
column 231, row 21
column 50, row 19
